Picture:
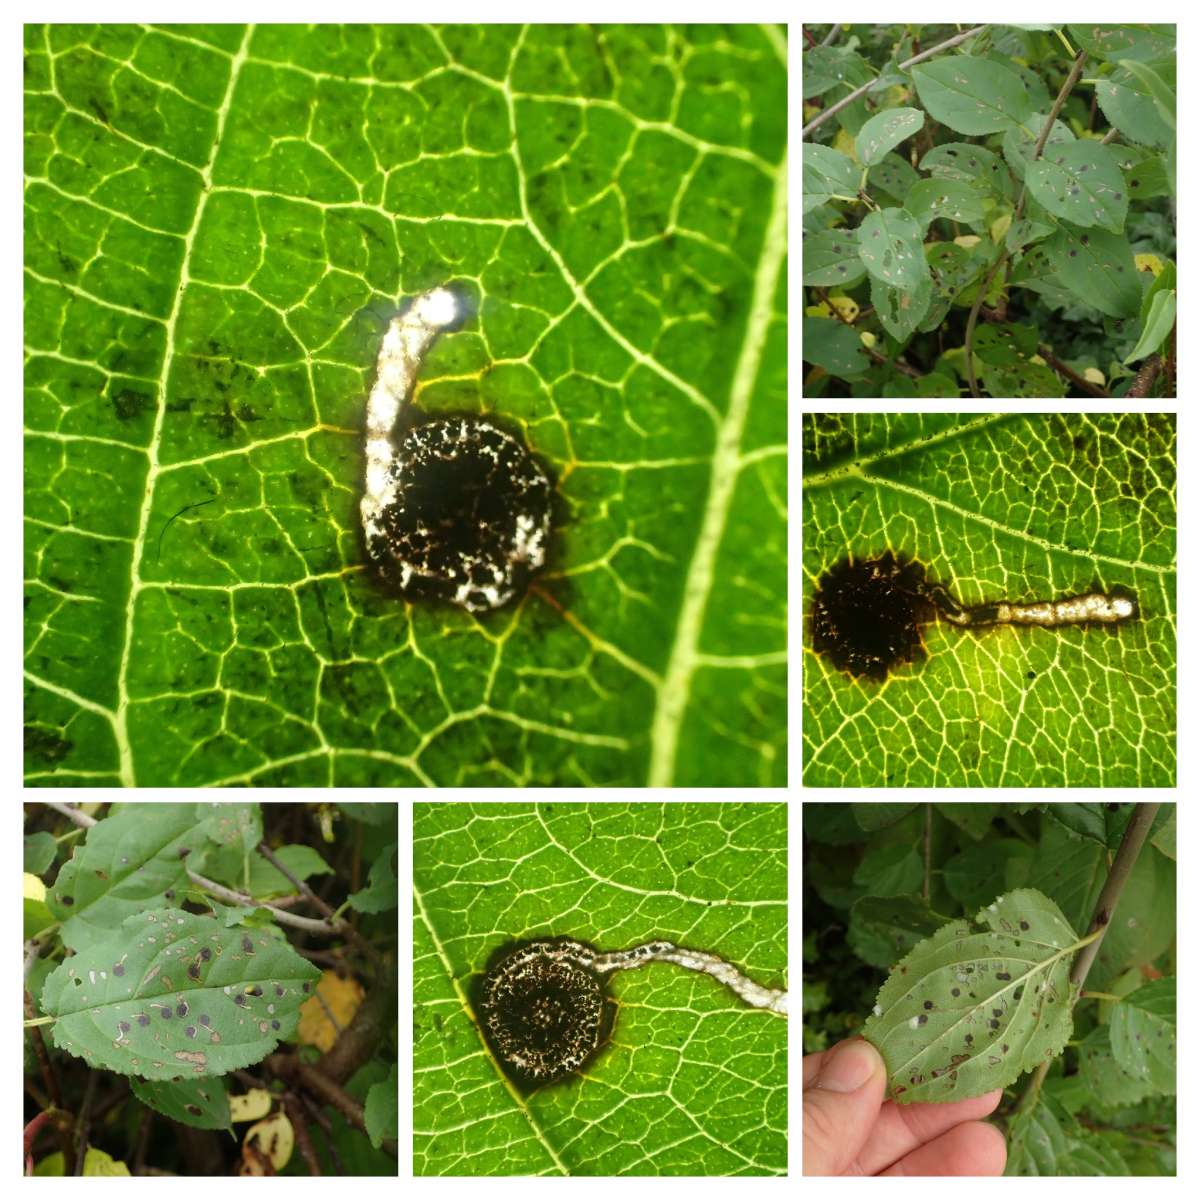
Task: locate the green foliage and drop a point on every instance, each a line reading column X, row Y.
column 202, row 1103
column 219, row 222
column 1056, row 235
column 1106, row 1105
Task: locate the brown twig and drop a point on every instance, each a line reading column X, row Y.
column 1145, row 378
column 322, row 1121
column 49, row 1077
column 1106, row 906
column 295, row 1113
column 339, row 926
column 71, row 813
column 834, row 109
column 83, row 1123
column 973, row 317
column 1061, row 367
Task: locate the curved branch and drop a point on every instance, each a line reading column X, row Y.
column 845, row 101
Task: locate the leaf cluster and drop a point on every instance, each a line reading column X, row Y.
column 1005, row 179
column 988, row 898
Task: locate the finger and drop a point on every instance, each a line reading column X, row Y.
column 903, row 1128
column 841, row 1106
column 812, row 1066
column 972, row 1149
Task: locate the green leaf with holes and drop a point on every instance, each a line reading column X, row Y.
column 219, row 222
column 827, row 174
column 969, row 1010
column 712, row 876
column 949, row 198
column 168, row 994
column 201, row 1103
column 1142, row 1031
column 135, row 859
column 834, row 347
column 967, row 163
column 893, row 176
column 884, row 132
column 831, row 258
column 901, row 310
column 972, row 95
column 1082, row 183
column 889, row 242
column 1021, row 378
column 1097, row 267
column 1115, row 42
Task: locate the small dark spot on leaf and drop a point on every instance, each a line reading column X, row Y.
column 994, row 1023
column 124, row 1026
column 205, row 1020
column 118, row 969
column 970, row 1038
column 195, row 1110
column 143, row 1019
column 247, row 945
column 304, row 987
column 166, row 1014
column 254, row 991
column 206, row 954
column 928, row 1004
column 1074, row 253
column 1004, row 1048
column 1003, row 975
column 66, row 901
column 182, row 1009
column 954, row 992
column 240, row 1000
column 278, row 990
column 1024, row 924
column 922, row 1019
column 190, row 1031
column 274, row 1024
column 184, row 851
column 194, row 971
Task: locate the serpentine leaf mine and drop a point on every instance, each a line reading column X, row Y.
column 868, row 614
column 454, row 508
column 545, row 1012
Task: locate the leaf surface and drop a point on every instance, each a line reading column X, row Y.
column 169, row 994
column 834, row 346
column 1134, row 114
column 951, row 198
column 1115, row 42
column 1159, row 322
column 831, row 258
column 1142, row 1030
column 965, row 1011
column 884, row 132
column 970, row 164
column 972, row 95
column 201, row 1103
column 1098, row 267
column 889, row 242
column 827, row 173
column 1082, row 183
column 901, row 310
column 881, row 927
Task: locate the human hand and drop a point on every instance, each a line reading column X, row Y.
column 849, row 1130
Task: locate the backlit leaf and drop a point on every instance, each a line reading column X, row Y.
column 968, row 1011
column 169, row 994
column 827, row 173
column 1081, row 183
column 889, row 242
column 1142, row 1032
column 832, row 258
column 972, row 95
column 884, row 132
column 1098, row 267
column 201, row 1103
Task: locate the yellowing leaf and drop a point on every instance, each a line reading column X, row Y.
column 34, row 888
column 336, row 998
column 1094, row 376
column 1149, row 262
column 254, row 1104
column 847, row 307
column 274, row 1139
column 968, row 240
column 844, row 143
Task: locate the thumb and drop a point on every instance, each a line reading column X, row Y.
column 841, row 1106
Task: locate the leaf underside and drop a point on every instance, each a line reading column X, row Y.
column 170, row 995
column 966, row 1011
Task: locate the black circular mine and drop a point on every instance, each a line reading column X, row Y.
column 544, row 1010
column 471, row 516
column 867, row 614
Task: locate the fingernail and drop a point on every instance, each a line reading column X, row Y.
column 849, row 1067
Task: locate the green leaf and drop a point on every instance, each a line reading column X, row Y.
column 1037, row 1144
column 827, row 173
column 883, row 927
column 894, row 176
column 835, row 347
column 381, row 1113
column 1142, row 1031
column 1162, row 95
column 1020, row 142
column 965, row 1012
column 1134, row 115
column 1022, row 378
column 975, row 820
column 303, row 862
column 40, row 851
column 884, row 132
column 950, row 198
column 201, row 1103
column 130, row 861
column 218, row 224
column 972, row 95
column 1114, row 42
column 1156, row 327
column 1081, row 183
column 1097, row 267
column 1164, row 839
column 380, row 894
column 890, row 870
column 831, row 258
column 973, row 875
column 483, row 872
column 879, row 816
column 966, row 163
column 1109, row 1083
column 991, row 505
column 901, row 310
column 889, row 242
column 144, row 1000
column 1145, row 173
